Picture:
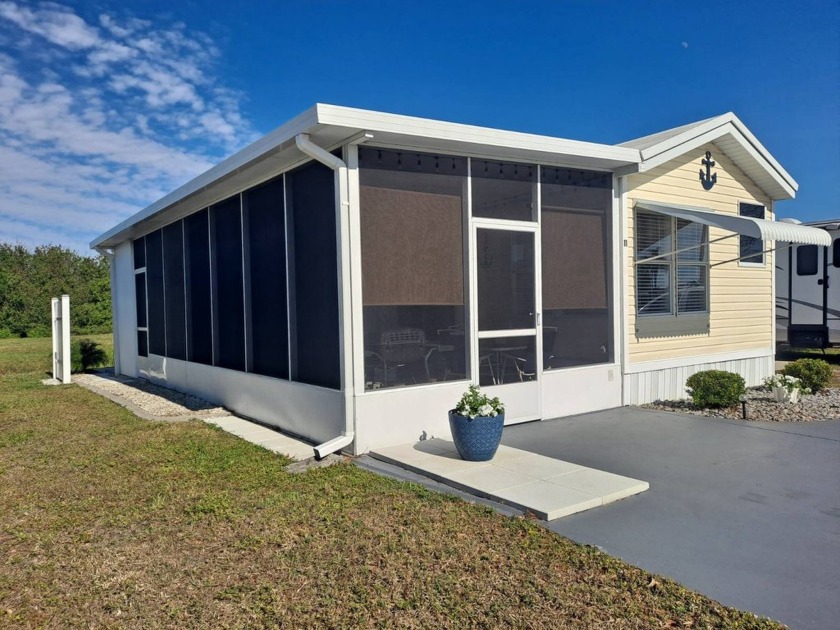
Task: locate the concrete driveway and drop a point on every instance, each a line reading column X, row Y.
column 745, row 512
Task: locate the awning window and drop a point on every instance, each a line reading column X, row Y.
column 748, row 226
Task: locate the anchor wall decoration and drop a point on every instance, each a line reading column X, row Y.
column 708, row 178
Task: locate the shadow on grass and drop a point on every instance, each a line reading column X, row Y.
column 785, row 352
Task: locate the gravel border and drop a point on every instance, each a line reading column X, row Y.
column 147, row 400
column 761, row 406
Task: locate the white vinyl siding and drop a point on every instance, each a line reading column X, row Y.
column 740, row 303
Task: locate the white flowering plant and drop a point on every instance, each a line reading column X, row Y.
column 789, row 383
column 474, row 404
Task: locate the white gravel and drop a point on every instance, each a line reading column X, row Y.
column 153, row 399
column 824, row 405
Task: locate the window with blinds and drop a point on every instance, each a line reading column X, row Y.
column 672, row 265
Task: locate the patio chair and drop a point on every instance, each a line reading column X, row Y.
column 402, row 347
column 451, row 347
column 526, row 365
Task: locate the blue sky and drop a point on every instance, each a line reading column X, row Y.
column 105, row 106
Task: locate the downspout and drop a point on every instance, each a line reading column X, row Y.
column 623, row 270
column 341, row 182
column 109, row 255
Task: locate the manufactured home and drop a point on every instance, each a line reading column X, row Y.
column 808, row 290
column 347, row 276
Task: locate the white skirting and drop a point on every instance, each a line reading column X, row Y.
column 644, row 386
column 311, row 412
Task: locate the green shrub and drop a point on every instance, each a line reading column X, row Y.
column 93, row 355
column 76, row 357
column 5, row 333
column 38, row 331
column 815, row 374
column 715, row 388
column 86, row 354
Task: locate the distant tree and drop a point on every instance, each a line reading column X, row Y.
column 28, row 279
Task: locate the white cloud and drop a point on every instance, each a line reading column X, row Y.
column 127, row 111
column 108, row 23
column 109, row 53
column 59, row 25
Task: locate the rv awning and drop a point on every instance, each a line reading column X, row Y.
column 748, row 226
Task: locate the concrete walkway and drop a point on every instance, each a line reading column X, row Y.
column 548, row 487
column 263, row 436
column 745, row 512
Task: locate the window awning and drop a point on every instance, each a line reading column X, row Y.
column 748, row 226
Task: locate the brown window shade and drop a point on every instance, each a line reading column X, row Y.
column 573, row 260
column 412, row 248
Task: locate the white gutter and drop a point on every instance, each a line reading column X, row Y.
column 114, row 328
column 343, row 204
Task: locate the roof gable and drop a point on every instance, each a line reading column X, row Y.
column 732, row 137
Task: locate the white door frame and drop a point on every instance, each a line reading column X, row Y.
column 529, row 390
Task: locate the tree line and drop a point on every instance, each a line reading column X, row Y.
column 28, row 279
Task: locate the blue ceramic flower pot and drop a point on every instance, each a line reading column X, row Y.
column 477, row 439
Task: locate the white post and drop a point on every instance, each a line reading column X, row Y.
column 65, row 339
column 56, row 332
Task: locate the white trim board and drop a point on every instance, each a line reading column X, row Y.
column 666, row 364
column 732, row 137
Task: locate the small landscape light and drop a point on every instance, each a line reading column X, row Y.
column 743, row 399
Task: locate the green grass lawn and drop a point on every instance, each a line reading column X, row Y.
column 107, row 520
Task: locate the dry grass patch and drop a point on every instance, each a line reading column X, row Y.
column 110, row 521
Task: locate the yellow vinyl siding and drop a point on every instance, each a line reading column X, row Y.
column 740, row 297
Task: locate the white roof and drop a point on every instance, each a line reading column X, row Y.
column 748, row 226
column 826, row 224
column 646, row 142
column 331, row 126
column 732, row 137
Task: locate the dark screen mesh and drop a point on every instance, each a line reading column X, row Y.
column 173, row 282
column 140, row 295
column 266, row 272
column 228, row 303
column 315, row 338
column 155, row 295
column 139, row 253
column 197, row 256
column 142, row 343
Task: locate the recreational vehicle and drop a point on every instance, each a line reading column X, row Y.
column 808, row 291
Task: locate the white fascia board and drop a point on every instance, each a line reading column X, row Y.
column 267, row 143
column 456, row 133
column 760, row 149
column 354, row 121
column 712, row 130
column 681, row 142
